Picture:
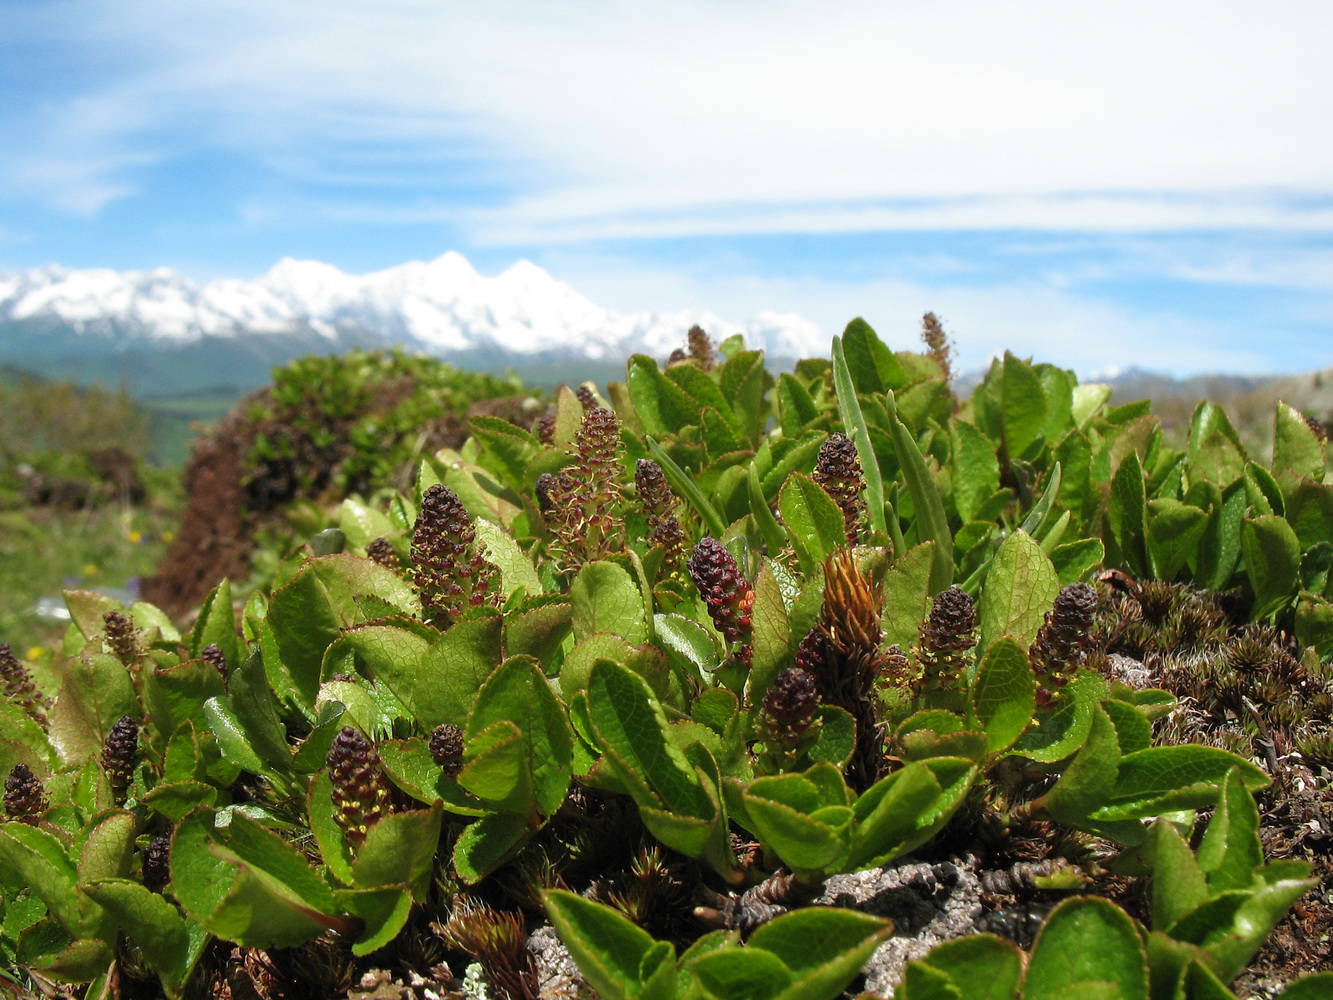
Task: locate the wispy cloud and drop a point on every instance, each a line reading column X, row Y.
column 650, row 119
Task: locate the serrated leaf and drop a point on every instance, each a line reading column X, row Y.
column 606, row 599
column 814, row 522
column 1231, row 852
column 311, row 611
column 1214, row 446
column 1273, row 559
column 501, row 551
column 94, row 693
column 1020, row 588
column 400, row 850
column 1162, row 779
column 453, row 670
column 1090, row 778
column 1174, row 530
column 1003, row 694
column 170, row 944
column 907, row 595
column 517, row 692
column 486, row 844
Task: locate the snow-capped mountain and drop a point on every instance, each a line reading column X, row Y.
column 443, row 307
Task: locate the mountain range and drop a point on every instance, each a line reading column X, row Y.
column 157, row 331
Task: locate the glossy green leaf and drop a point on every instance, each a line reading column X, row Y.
column 1127, row 514
column 976, row 967
column 314, row 607
column 772, row 641
column 216, row 626
column 383, row 912
column 608, row 949
column 95, row 692
column 411, row 767
column 814, row 522
column 1085, row 942
column 1162, row 779
column 400, row 850
column 452, row 671
column 606, row 599
column 489, row 842
column 1003, row 694
column 662, row 406
column 518, row 693
column 1273, row 558
column 976, row 470
column 1178, row 884
column 501, row 551
column 1088, row 781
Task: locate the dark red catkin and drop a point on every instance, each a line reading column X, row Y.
column 1064, row 639
column 450, row 574
column 838, row 471
column 120, row 754
column 946, row 638
column 18, row 686
column 701, row 347
column 659, row 508
column 212, row 655
column 446, row 747
column 361, row 795
column 25, row 798
column 727, row 594
column 382, row 552
column 122, row 637
column 790, row 706
column 156, row 859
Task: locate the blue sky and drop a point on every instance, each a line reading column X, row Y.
column 1147, row 183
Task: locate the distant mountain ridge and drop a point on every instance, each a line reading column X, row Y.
column 52, row 318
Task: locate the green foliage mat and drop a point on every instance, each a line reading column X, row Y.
column 653, row 668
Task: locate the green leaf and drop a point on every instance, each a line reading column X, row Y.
column 400, row 850
column 1174, row 530
column 873, row 367
column 517, row 692
column 629, row 723
column 1020, row 588
column 606, row 599
column 907, row 595
column 608, row 949
column 742, row 972
column 383, row 912
column 412, row 768
column 451, row 672
column 976, row 470
column 538, row 631
column 1088, row 781
column 1128, row 514
column 39, row 859
column 775, row 538
column 86, row 608
column 1273, row 559
column 252, row 701
column 362, row 524
column 823, row 947
column 1314, row 624
column 907, row 808
column 1310, row 512
column 501, row 551
column 509, row 447
column 216, row 626
column 1214, row 446
column 1086, row 942
column 1232, row 926
column 316, row 605
column 796, row 407
column 1163, row 779
column 932, row 524
column 1178, row 885
column 95, row 691
column 772, row 640
column 853, row 422
column 498, row 769
column 1073, row 560
column 686, row 639
column 1231, row 852
column 489, row 842
column 1297, row 451
column 662, row 406
column 1003, row 695
column 1063, row 730
column 324, row 826
column 1315, row 987
column 977, row 967
column 1022, row 406
column 1219, row 549
column 232, row 739
column 169, row 943
column 814, row 522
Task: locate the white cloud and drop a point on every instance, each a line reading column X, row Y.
column 655, row 118
column 1051, row 324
